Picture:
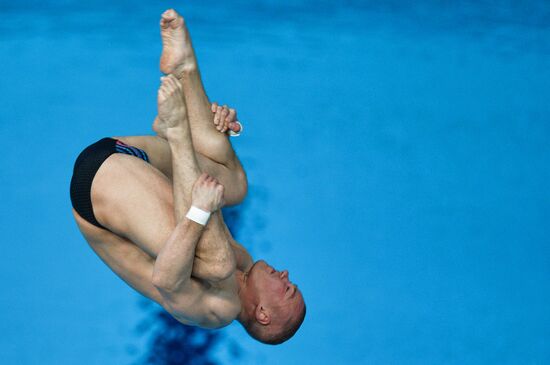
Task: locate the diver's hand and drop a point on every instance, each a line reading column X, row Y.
column 225, row 118
column 207, row 193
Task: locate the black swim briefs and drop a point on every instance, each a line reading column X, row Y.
column 85, row 168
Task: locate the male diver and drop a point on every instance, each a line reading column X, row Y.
column 149, row 206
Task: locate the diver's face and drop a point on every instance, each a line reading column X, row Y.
column 273, row 286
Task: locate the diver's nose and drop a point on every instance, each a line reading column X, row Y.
column 284, row 274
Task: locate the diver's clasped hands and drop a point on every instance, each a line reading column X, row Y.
column 225, row 117
column 225, row 120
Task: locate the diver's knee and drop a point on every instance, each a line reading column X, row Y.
column 239, row 188
column 242, row 185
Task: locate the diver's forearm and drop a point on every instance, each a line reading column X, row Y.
column 215, row 251
column 174, row 263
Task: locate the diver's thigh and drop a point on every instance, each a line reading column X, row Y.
column 134, row 200
column 122, row 256
column 231, row 175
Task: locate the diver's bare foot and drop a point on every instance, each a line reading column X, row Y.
column 177, row 52
column 172, row 111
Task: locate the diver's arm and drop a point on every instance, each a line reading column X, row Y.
column 215, row 252
column 174, row 264
column 243, row 258
column 175, row 260
column 185, row 298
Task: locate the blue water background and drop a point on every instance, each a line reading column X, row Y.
column 398, row 156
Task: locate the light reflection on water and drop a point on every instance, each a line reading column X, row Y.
column 403, row 149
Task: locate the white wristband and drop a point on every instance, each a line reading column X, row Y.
column 198, row 215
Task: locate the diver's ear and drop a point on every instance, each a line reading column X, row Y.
column 262, row 315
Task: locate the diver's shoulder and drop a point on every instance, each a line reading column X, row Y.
column 220, row 312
